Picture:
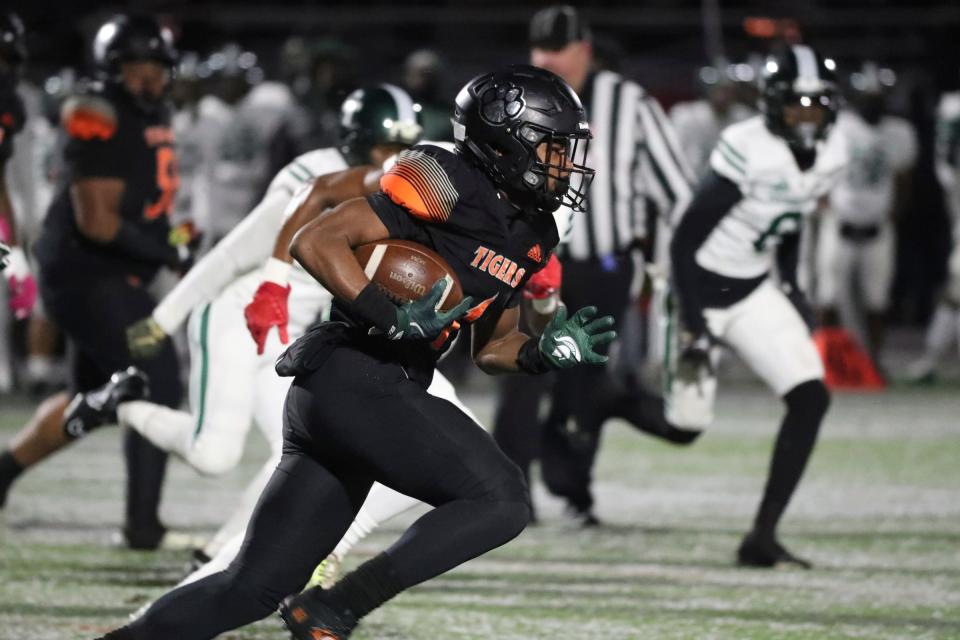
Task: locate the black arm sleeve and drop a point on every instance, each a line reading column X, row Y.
column 714, row 198
column 788, row 257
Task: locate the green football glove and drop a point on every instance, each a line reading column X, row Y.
column 145, row 338
column 567, row 343
column 420, row 319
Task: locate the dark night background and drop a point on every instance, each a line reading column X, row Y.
column 659, row 43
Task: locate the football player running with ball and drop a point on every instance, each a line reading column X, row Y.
column 358, row 410
column 767, row 174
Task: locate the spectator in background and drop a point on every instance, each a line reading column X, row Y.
column 423, row 79
column 698, row 123
column 316, row 74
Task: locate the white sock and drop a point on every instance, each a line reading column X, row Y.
column 219, row 562
column 169, row 429
column 39, row 368
column 382, row 504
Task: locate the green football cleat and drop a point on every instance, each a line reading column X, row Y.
column 326, row 574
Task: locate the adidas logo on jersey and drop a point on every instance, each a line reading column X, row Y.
column 500, row 267
column 535, row 253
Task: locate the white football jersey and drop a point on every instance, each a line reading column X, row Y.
column 777, row 195
column 877, row 154
column 241, row 253
column 698, row 128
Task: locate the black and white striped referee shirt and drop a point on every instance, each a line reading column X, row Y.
column 639, row 165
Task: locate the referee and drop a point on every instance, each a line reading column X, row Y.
column 640, row 175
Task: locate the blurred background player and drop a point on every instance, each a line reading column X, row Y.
column 857, row 241
column 943, row 334
column 316, row 74
column 234, row 123
column 232, row 380
column 767, row 173
column 640, row 171
column 698, row 123
column 35, row 170
column 423, row 74
column 21, row 288
column 104, row 239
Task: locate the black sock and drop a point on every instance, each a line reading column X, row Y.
column 10, row 469
column 146, row 466
column 369, row 586
column 806, row 405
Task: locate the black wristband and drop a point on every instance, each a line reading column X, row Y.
column 529, row 358
column 135, row 243
column 374, row 308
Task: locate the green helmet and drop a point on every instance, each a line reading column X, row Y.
column 380, row 114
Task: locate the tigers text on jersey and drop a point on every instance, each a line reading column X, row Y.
column 440, row 200
column 776, row 196
column 109, row 137
column 877, row 154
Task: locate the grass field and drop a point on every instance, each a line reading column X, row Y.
column 879, row 514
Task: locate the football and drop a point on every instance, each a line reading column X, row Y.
column 405, row 271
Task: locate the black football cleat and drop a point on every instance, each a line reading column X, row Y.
column 580, row 517
column 93, row 409
column 765, row 553
column 672, row 434
column 308, row 616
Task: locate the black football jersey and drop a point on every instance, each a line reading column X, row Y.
column 109, row 137
column 438, row 199
column 11, row 120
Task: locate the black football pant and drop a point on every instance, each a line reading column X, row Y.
column 352, row 421
column 517, row 426
column 584, row 397
column 94, row 315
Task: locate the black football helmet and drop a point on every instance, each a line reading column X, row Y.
column 526, row 129
column 13, row 47
column 132, row 38
column 379, row 114
column 799, row 76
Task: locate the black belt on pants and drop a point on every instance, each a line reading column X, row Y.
column 858, row 232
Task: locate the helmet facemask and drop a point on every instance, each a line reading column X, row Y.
column 558, row 174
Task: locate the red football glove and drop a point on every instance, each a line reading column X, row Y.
column 268, row 309
column 546, row 282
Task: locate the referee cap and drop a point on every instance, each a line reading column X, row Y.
column 555, row 27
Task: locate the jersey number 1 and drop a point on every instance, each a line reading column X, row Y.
column 168, row 179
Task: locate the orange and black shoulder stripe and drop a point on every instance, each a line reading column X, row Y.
column 89, row 118
column 419, row 183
